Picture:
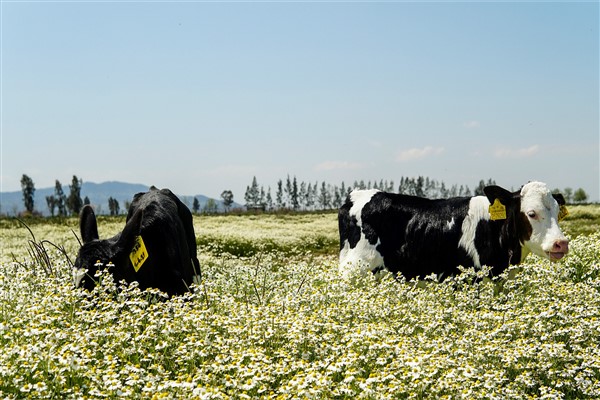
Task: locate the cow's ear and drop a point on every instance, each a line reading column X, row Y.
column 496, row 192
column 87, row 224
column 559, row 199
column 132, row 229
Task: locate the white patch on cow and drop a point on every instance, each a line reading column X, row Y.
column 541, row 210
column 360, row 260
column 364, row 257
column 359, row 199
column 478, row 211
column 78, row 274
column 450, row 224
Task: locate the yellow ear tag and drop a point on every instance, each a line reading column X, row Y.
column 497, row 211
column 139, row 254
column 562, row 212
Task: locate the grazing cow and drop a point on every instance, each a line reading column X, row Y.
column 416, row 236
column 157, row 247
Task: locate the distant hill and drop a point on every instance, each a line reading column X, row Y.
column 11, row 203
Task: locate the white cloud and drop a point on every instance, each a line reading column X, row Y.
column 507, row 152
column 471, row 124
column 337, row 165
column 416, row 153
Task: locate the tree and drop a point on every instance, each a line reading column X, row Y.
column 420, row 187
column 57, row 200
column 443, row 191
column 288, row 192
column 302, row 194
column 227, row 197
column 86, row 201
column 580, row 196
column 479, row 188
column 324, row 197
column 210, row 207
column 345, row 192
column 295, row 202
column 279, row 195
column 269, row 200
column 308, row 197
column 28, row 192
column 51, row 201
column 60, row 199
column 196, row 205
column 252, row 195
column 314, row 195
column 568, row 195
column 337, row 199
column 74, row 202
column 262, row 197
column 113, row 206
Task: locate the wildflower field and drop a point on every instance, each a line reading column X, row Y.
column 272, row 319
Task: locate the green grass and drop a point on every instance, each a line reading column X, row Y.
column 247, row 235
column 279, row 323
column 582, row 220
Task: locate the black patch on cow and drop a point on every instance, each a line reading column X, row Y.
column 524, row 228
column 499, row 242
column 348, row 226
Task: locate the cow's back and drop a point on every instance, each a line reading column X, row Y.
column 168, row 232
column 405, row 234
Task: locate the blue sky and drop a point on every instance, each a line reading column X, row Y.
column 200, row 97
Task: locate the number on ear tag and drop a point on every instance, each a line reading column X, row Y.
column 497, row 211
column 139, row 254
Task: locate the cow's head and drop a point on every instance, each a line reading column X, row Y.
column 96, row 254
column 532, row 214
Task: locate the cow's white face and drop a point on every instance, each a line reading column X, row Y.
column 541, row 209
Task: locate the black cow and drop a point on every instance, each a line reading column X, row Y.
column 157, row 247
column 418, row 237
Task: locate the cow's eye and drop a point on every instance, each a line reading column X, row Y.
column 532, row 214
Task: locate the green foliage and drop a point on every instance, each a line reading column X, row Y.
column 210, row 207
column 227, row 196
column 28, row 189
column 582, row 220
column 196, row 205
column 113, row 206
column 74, row 201
column 580, row 196
column 247, row 235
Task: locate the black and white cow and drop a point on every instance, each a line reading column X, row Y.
column 416, row 237
column 157, row 247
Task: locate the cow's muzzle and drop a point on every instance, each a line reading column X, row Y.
column 559, row 249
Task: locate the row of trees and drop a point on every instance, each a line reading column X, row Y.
column 577, row 196
column 59, row 203
column 322, row 196
column 292, row 195
column 289, row 195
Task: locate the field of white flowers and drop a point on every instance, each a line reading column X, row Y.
column 272, row 319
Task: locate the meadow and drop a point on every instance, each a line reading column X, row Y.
column 272, row 319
